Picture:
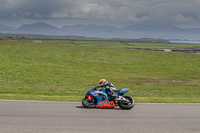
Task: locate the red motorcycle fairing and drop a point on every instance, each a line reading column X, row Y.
column 106, row 104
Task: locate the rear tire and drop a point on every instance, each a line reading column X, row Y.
column 127, row 104
column 89, row 103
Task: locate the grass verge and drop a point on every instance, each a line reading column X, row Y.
column 63, row 71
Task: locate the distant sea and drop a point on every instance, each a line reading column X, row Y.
column 189, row 42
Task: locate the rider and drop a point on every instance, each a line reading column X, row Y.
column 108, row 85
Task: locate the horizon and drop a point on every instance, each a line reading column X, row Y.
column 164, row 31
column 92, row 24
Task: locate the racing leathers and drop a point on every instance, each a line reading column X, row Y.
column 109, row 86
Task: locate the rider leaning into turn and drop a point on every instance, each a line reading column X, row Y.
column 108, row 85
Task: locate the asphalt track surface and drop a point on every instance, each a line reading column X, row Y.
column 64, row 117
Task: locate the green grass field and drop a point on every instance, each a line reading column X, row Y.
column 63, row 70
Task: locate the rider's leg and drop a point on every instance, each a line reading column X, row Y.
column 113, row 94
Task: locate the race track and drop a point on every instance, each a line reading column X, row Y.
column 63, row 117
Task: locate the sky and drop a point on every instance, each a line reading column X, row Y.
column 183, row 13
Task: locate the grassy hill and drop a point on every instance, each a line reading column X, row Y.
column 60, row 70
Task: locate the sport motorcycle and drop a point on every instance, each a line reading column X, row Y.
column 103, row 99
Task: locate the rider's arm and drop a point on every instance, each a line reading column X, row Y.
column 104, row 84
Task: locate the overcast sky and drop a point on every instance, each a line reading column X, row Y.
column 185, row 13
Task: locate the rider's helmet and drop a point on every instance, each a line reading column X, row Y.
column 102, row 81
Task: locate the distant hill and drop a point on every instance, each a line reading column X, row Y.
column 105, row 31
column 38, row 28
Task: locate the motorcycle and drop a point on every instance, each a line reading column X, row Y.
column 102, row 99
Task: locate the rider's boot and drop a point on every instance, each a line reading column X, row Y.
column 114, row 95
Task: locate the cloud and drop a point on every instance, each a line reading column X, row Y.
column 133, row 11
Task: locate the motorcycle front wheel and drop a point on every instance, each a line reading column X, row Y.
column 127, row 104
column 89, row 103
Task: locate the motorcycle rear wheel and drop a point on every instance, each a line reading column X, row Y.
column 89, row 103
column 127, row 104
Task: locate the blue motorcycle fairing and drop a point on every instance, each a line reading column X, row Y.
column 97, row 94
column 89, row 91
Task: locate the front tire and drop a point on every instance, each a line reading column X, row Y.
column 89, row 103
column 126, row 104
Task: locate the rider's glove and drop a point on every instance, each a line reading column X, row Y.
column 94, row 87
